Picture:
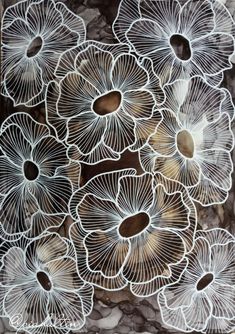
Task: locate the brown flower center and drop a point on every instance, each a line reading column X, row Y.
column 44, row 280
column 34, row 47
column 181, row 47
column 185, row 143
column 31, row 170
column 133, row 225
column 108, row 103
column 205, row 281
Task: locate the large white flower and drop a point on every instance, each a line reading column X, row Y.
column 192, row 143
column 34, row 177
column 131, row 230
column 182, row 40
column 34, row 34
column 44, row 288
column 204, row 298
column 104, row 99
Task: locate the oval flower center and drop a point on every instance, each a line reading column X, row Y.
column 44, row 280
column 34, row 47
column 31, row 170
column 181, row 47
column 205, row 281
column 133, row 225
column 108, row 103
column 185, row 143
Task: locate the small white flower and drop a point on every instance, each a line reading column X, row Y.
column 34, row 34
column 132, row 230
column 182, row 41
column 34, row 177
column 192, row 143
column 203, row 299
column 45, row 293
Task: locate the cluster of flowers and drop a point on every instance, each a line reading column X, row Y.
column 156, row 93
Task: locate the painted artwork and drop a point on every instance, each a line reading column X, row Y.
column 117, row 197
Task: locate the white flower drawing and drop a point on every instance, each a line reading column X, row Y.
column 34, row 185
column 193, row 142
column 203, row 299
column 44, row 288
column 130, row 231
column 102, row 100
column 182, row 40
column 133, row 142
column 34, row 34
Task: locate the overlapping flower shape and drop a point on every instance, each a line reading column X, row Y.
column 6, row 242
column 34, row 179
column 103, row 99
column 130, row 231
column 3, row 290
column 45, row 292
column 182, row 40
column 34, row 34
column 203, row 299
column 192, row 143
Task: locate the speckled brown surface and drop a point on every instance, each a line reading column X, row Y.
column 121, row 312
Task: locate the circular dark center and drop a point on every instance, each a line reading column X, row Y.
column 134, row 225
column 31, row 170
column 44, row 280
column 181, row 47
column 205, row 281
column 34, row 47
column 185, row 143
column 108, row 103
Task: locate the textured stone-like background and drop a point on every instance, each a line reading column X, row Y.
column 120, row 312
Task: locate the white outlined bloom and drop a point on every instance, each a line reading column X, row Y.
column 203, row 299
column 34, row 185
column 4, row 246
column 192, row 143
column 34, row 34
column 102, row 99
column 44, row 288
column 182, row 41
column 224, row 22
column 130, row 231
